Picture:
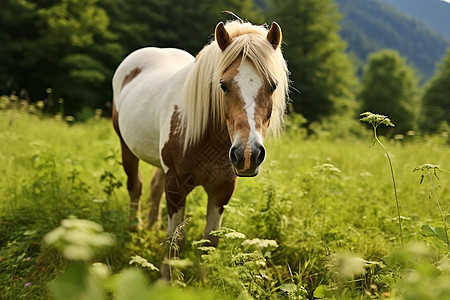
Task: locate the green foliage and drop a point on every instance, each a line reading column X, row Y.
column 78, row 239
column 136, row 259
column 68, row 46
column 320, row 69
column 74, row 23
column 75, row 46
column 389, row 86
column 427, row 276
column 438, row 232
column 436, row 99
column 316, row 222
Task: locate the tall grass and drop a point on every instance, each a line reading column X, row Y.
column 297, row 231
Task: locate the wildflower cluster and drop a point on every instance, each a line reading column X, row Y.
column 375, row 119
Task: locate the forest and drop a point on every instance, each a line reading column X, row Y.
column 72, row 48
column 351, row 202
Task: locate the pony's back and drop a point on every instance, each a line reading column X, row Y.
column 148, row 62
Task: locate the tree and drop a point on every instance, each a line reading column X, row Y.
column 62, row 44
column 184, row 24
column 436, row 98
column 389, row 87
column 320, row 69
column 74, row 46
column 20, row 49
column 82, row 50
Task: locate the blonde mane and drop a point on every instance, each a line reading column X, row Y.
column 203, row 98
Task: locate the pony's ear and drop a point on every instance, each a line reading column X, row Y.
column 274, row 35
column 222, row 37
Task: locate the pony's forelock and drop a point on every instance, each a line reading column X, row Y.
column 203, row 98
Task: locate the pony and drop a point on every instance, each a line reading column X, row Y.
column 199, row 121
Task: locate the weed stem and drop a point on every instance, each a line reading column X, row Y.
column 439, row 206
column 393, row 182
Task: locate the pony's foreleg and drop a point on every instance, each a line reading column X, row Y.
column 217, row 198
column 156, row 191
column 134, row 185
column 177, row 188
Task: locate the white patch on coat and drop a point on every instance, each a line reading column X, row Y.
column 175, row 220
column 250, row 82
column 145, row 105
column 213, row 218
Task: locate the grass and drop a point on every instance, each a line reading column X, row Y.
column 317, row 222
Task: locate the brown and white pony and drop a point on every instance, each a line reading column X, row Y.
column 200, row 121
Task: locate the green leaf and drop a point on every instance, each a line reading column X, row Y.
column 227, row 233
column 199, row 243
column 427, row 230
column 322, row 292
column 131, row 284
column 78, row 284
column 136, row 259
column 438, row 232
column 288, row 287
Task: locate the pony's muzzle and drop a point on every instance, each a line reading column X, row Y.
column 246, row 159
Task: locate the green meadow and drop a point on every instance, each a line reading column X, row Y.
column 318, row 222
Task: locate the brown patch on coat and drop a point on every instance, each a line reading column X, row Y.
column 115, row 120
column 235, row 105
column 205, row 163
column 263, row 109
column 135, row 72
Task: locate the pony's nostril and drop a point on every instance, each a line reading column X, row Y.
column 261, row 155
column 233, row 156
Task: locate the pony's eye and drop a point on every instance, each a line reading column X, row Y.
column 224, row 86
column 273, row 87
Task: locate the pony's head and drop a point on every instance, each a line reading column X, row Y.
column 247, row 98
column 247, row 81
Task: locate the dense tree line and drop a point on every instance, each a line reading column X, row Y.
column 66, row 45
column 321, row 70
column 74, row 46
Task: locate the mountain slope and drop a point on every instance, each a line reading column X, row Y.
column 371, row 25
column 434, row 13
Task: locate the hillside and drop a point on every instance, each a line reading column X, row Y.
column 434, row 13
column 371, row 25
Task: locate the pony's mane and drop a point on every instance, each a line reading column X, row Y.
column 203, row 98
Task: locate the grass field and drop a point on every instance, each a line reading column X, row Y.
column 319, row 222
